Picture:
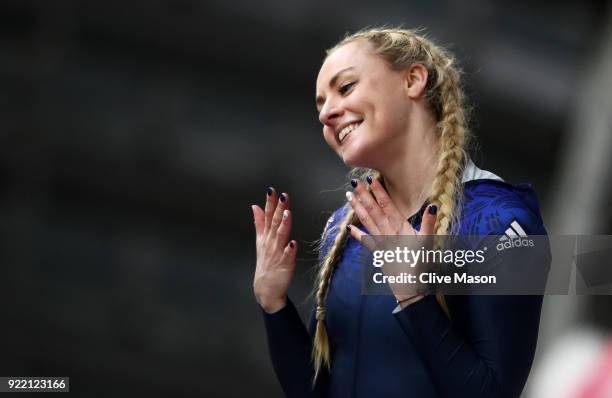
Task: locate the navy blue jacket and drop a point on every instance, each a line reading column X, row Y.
column 485, row 349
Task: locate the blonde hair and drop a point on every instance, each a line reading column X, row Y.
column 401, row 48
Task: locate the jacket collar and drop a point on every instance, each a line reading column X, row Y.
column 471, row 172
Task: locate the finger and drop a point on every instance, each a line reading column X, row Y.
column 283, row 202
column 259, row 219
column 290, row 252
column 362, row 214
column 365, row 198
column 428, row 220
column 383, row 200
column 282, row 236
column 271, row 201
column 361, row 237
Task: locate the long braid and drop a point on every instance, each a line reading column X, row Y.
column 446, row 186
column 320, row 352
column 447, row 189
column 401, row 48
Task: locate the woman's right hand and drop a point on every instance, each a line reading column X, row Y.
column 275, row 253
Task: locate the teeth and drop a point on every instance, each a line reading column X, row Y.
column 345, row 131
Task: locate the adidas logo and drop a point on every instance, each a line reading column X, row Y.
column 515, row 236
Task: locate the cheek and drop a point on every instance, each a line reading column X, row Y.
column 391, row 118
column 379, row 110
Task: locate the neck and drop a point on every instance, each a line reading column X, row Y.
column 409, row 172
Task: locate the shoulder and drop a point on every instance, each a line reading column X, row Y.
column 334, row 221
column 492, row 207
column 331, row 228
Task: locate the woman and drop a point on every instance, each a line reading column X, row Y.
column 391, row 106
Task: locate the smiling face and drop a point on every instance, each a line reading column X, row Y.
column 363, row 105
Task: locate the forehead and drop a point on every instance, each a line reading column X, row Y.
column 354, row 54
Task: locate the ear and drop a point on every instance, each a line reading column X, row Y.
column 415, row 80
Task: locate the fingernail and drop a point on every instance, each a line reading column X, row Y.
column 354, row 183
column 348, row 227
column 291, row 245
column 283, row 197
column 369, row 179
column 349, row 195
column 285, row 214
column 433, row 209
column 269, row 191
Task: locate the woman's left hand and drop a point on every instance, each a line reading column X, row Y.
column 380, row 216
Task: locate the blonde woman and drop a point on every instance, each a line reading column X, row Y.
column 391, row 106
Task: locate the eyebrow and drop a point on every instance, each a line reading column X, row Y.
column 332, row 82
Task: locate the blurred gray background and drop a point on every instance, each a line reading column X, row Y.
column 134, row 136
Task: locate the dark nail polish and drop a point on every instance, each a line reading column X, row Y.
column 269, row 191
column 369, row 179
column 348, row 227
column 354, row 183
column 433, row 209
column 283, row 197
column 291, row 245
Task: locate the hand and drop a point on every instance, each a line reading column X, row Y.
column 379, row 215
column 275, row 253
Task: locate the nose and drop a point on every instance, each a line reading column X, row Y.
column 329, row 112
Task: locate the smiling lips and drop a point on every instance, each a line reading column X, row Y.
column 346, row 131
